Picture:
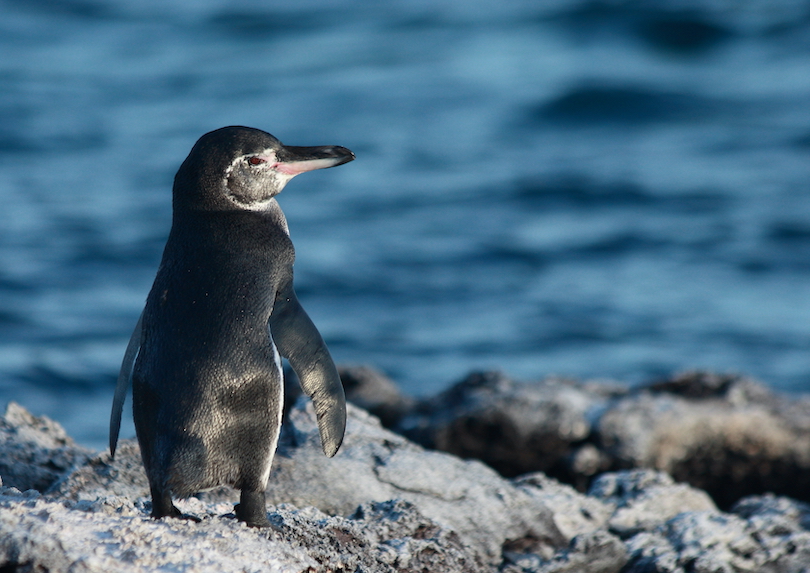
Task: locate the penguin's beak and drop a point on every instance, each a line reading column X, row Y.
column 295, row 160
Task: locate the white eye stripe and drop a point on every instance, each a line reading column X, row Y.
column 252, row 180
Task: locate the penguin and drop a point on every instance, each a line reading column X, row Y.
column 204, row 359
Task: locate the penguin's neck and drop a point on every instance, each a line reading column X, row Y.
column 235, row 259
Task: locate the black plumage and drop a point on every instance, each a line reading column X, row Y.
column 204, row 358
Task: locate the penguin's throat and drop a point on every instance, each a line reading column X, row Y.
column 254, row 198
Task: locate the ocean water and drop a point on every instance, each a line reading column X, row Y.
column 603, row 189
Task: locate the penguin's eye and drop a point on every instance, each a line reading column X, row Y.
column 255, row 160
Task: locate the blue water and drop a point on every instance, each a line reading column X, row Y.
column 595, row 189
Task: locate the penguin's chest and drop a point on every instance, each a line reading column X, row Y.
column 209, row 352
column 206, row 336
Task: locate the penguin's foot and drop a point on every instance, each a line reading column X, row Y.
column 176, row 514
column 259, row 522
column 251, row 509
column 160, row 513
column 162, row 506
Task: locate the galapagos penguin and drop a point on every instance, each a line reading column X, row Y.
column 205, row 356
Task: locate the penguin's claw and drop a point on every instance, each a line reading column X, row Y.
column 189, row 517
column 175, row 513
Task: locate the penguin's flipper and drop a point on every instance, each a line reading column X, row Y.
column 124, row 378
column 298, row 341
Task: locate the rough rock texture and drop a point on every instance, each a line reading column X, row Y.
column 574, row 513
column 35, row 451
column 596, row 552
column 714, row 542
column 101, row 476
column 376, row 464
column 515, row 428
column 385, row 504
column 656, row 525
column 725, row 434
column 114, row 534
column 375, row 393
column 640, row 499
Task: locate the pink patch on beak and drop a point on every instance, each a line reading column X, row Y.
column 296, row 167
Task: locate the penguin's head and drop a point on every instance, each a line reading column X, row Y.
column 243, row 168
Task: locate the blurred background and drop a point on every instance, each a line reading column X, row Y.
column 608, row 189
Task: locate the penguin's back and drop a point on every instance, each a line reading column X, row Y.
column 207, row 386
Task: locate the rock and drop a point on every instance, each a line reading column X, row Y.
column 767, row 534
column 514, row 428
column 644, row 498
column 703, row 542
column 781, row 525
column 595, row 552
column 101, row 476
column 374, row 392
column 574, row 513
column 732, row 438
column 96, row 518
column 388, row 536
column 365, row 387
column 724, row 434
column 375, row 464
column 642, row 521
column 698, row 384
column 36, row 451
column 793, row 515
column 385, row 504
column 483, row 509
column 113, row 534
